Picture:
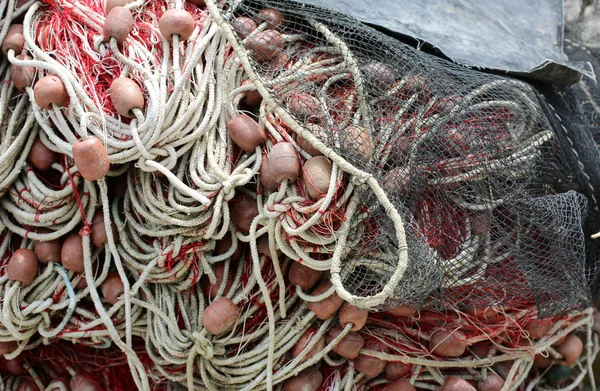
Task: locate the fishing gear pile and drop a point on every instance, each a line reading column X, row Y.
column 261, row 194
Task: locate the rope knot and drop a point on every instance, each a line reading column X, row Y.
column 361, row 178
column 281, row 207
column 229, row 187
column 204, row 346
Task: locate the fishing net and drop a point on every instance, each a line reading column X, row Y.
column 54, row 366
column 267, row 195
column 464, row 162
column 576, row 109
column 406, row 353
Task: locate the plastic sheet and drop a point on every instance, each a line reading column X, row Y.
column 520, row 37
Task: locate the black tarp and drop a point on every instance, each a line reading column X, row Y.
column 523, row 37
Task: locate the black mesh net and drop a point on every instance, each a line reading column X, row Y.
column 468, row 160
column 575, row 115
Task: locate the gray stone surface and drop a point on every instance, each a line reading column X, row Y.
column 583, row 22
